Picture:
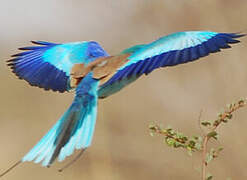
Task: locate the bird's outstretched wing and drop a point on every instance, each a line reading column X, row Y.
column 177, row 48
column 48, row 65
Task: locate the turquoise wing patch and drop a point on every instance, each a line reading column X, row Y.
column 48, row 65
column 171, row 50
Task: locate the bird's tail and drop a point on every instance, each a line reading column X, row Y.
column 74, row 130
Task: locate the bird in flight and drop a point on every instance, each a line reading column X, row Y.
column 94, row 74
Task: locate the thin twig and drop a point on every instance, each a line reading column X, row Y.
column 217, row 123
column 158, row 130
column 204, row 155
column 200, row 121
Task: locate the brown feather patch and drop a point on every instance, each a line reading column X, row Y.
column 102, row 68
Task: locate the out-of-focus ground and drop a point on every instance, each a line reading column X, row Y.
column 122, row 147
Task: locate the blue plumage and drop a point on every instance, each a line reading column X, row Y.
column 48, row 65
column 95, row 74
column 147, row 58
column 73, row 131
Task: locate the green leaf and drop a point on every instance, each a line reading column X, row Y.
column 229, row 106
column 181, row 136
column 241, row 101
column 220, row 149
column 152, row 127
column 185, row 138
column 192, row 143
column 229, row 116
column 209, row 158
column 198, row 146
column 178, row 144
column 209, row 176
column 170, row 141
column 195, row 137
column 206, row 123
column 212, row 134
column 224, row 120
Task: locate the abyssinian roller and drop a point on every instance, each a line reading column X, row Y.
column 94, row 74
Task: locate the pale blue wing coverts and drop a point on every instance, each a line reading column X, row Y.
column 174, row 49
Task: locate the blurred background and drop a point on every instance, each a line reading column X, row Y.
column 122, row 147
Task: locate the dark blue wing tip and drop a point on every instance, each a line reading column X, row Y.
column 224, row 39
column 21, row 65
column 30, row 49
column 42, row 45
column 56, row 88
column 234, row 35
column 238, row 35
